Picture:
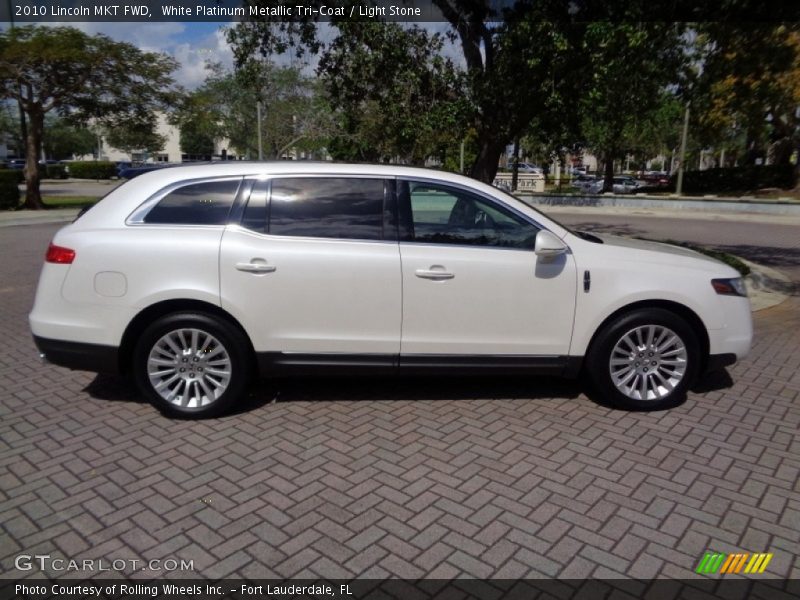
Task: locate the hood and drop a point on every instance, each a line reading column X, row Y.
column 622, row 242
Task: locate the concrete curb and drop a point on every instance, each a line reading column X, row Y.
column 778, row 207
column 37, row 217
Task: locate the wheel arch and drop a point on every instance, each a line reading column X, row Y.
column 681, row 310
column 165, row 307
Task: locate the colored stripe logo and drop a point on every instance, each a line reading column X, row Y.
column 726, row 564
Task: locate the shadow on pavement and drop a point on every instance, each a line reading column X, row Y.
column 713, row 382
column 765, row 255
column 608, row 228
column 328, row 389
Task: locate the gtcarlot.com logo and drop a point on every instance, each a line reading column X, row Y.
column 737, row 563
column 44, row 562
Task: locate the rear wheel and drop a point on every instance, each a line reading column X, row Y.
column 191, row 365
column 645, row 359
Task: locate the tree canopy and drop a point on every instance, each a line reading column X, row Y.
column 85, row 77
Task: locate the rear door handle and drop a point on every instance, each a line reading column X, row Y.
column 436, row 273
column 255, row 267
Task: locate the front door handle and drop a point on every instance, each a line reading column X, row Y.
column 256, row 266
column 436, row 273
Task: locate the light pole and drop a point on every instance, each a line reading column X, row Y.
column 682, row 157
column 258, row 119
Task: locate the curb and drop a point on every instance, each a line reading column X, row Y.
column 783, row 208
column 38, row 217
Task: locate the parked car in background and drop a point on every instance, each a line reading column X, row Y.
column 524, row 167
column 655, row 178
column 194, row 278
column 131, row 172
column 584, row 183
column 15, row 163
column 624, row 184
column 121, row 166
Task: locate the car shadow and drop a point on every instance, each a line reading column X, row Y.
column 713, row 382
column 403, row 388
column 114, row 388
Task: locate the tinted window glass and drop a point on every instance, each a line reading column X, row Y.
column 206, row 203
column 255, row 213
column 327, row 207
column 445, row 215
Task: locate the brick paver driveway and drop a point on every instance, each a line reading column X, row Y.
column 500, row 478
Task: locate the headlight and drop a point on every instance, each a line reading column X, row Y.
column 729, row 287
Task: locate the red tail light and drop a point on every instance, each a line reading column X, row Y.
column 59, row 255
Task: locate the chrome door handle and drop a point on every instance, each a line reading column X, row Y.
column 435, row 274
column 255, row 267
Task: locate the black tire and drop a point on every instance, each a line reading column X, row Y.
column 190, row 400
column 599, row 369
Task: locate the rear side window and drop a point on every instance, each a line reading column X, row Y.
column 204, row 203
column 327, row 207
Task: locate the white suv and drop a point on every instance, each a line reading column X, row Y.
column 194, row 278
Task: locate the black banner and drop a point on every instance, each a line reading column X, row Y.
column 394, row 589
column 42, row 11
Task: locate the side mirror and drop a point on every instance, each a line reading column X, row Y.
column 548, row 245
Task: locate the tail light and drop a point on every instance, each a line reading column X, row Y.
column 59, row 255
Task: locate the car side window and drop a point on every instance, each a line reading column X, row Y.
column 445, row 215
column 202, row 203
column 327, row 207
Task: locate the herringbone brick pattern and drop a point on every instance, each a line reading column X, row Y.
column 386, row 478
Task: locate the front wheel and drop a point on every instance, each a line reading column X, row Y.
column 191, row 365
column 644, row 360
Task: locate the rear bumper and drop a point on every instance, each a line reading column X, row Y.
column 78, row 355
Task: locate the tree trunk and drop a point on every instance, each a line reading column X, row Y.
column 608, row 174
column 33, row 197
column 485, row 166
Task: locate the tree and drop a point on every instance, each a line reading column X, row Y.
column 63, row 70
column 748, row 93
column 197, row 120
column 518, row 62
column 293, row 113
column 138, row 135
column 63, row 139
column 629, row 66
column 393, row 94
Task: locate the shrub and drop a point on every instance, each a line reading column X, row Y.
column 737, row 179
column 54, row 172
column 9, row 189
column 92, row 169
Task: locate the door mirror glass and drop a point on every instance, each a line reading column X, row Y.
column 548, row 244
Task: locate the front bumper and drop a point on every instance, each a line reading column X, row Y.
column 78, row 355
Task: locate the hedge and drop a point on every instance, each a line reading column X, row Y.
column 9, row 189
column 92, row 169
column 54, row 171
column 737, row 179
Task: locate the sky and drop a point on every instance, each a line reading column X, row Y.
column 192, row 44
